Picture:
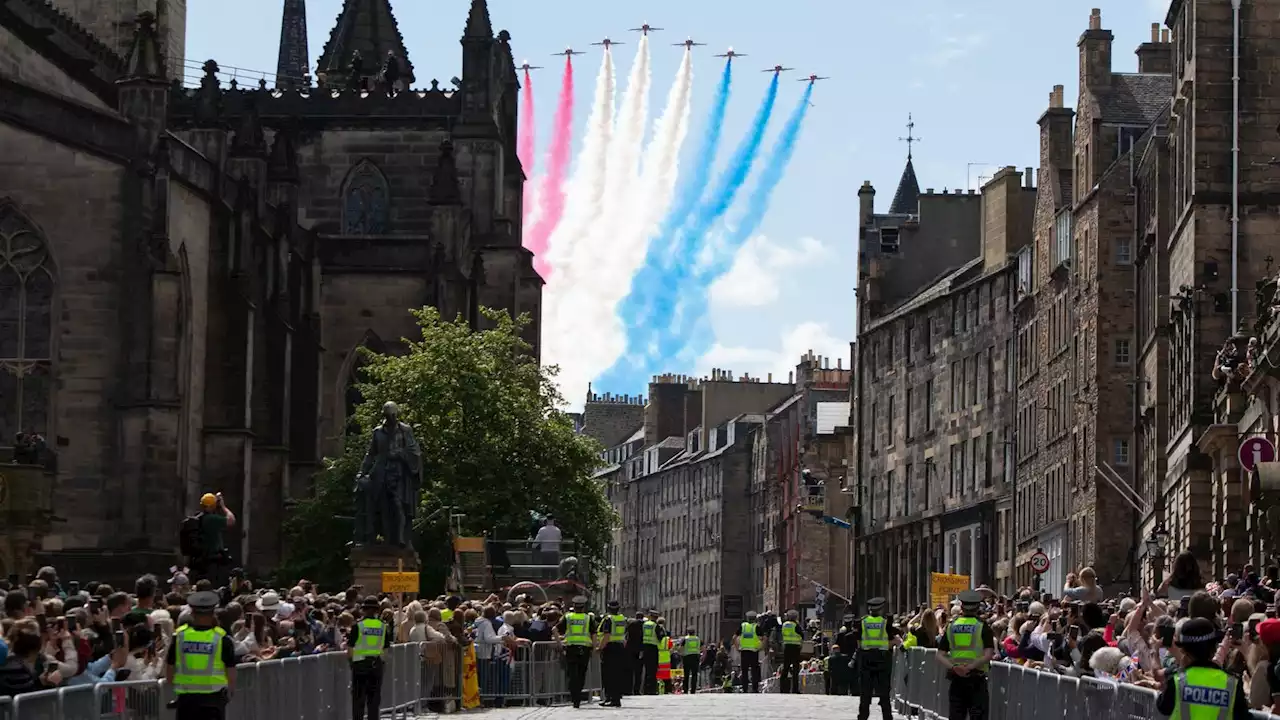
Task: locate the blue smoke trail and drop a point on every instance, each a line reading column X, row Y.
column 680, row 337
column 638, row 304
column 647, row 319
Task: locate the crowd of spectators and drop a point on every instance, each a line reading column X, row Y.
column 1137, row 638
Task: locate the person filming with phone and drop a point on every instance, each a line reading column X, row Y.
column 202, row 539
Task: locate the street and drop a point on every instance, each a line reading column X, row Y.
column 706, row 706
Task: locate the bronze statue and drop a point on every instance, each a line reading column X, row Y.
column 389, row 483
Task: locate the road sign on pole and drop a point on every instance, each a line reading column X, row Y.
column 1039, row 563
column 1255, row 450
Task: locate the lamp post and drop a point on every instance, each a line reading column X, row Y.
column 1157, row 546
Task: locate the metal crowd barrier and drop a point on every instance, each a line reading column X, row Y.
column 1020, row 693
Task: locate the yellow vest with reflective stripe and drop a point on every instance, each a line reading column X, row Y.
column 691, row 645
column 370, row 639
column 1202, row 693
column 790, row 636
column 664, row 651
column 446, row 615
column 577, row 630
column 964, row 636
column 749, row 640
column 197, row 659
column 650, row 632
column 874, row 635
column 617, row 628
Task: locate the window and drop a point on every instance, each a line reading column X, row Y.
column 957, row 387
column 907, row 478
column 1122, row 356
column 874, row 425
column 365, row 197
column 990, row 460
column 892, row 421
column 1062, row 247
column 26, row 325
column 1026, row 267
column 891, row 488
column 955, row 469
column 888, row 240
column 1124, row 251
column 907, row 407
column 1121, row 454
column 928, row 405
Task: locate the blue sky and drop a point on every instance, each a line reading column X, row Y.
column 976, row 77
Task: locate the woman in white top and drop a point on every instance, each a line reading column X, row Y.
column 1185, row 580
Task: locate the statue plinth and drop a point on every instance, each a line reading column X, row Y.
column 368, row 562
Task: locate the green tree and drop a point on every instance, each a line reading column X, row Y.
column 495, row 448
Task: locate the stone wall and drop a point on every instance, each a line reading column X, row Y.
column 20, row 62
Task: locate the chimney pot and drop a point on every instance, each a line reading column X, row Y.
column 1095, row 19
column 790, row 377
column 1155, row 32
column 1164, row 35
column 839, row 363
column 770, row 377
column 1029, row 179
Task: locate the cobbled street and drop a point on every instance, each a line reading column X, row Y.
column 707, row 706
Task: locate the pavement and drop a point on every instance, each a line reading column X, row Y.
column 703, row 706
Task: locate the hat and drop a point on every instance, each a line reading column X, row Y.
column 1036, row 609
column 208, row 500
column 203, row 601
column 284, row 611
column 371, row 601
column 1196, row 631
column 875, row 602
column 579, row 600
column 612, row 606
column 179, row 579
column 1128, row 604
column 270, row 600
column 1269, row 631
column 970, row 597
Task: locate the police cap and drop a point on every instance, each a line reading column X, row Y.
column 579, row 600
column 970, row 597
column 612, row 606
column 203, row 601
column 875, row 602
column 371, row 601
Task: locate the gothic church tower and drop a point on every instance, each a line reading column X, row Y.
column 112, row 22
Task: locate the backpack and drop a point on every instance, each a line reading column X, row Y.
column 189, row 536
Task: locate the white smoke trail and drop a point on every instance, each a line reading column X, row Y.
column 584, row 205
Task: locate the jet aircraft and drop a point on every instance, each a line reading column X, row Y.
column 607, row 43
column 527, row 67
column 567, row 52
column 645, row 29
column 731, row 54
column 687, row 44
column 813, row 79
column 778, row 69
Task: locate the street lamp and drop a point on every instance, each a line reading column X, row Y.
column 1157, row 547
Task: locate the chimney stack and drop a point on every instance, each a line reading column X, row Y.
column 1028, row 179
column 1095, row 54
column 1156, row 57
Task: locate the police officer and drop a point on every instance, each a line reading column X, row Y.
column 791, row 644
column 575, row 629
column 635, row 653
column 367, row 640
column 652, row 636
column 201, row 663
column 1201, row 690
column 611, row 635
column 748, row 643
column 876, row 638
column 966, row 650
column 690, row 656
column 842, row 649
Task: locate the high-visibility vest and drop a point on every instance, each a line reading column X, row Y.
column 874, row 636
column 370, row 639
column 790, row 636
column 197, row 661
column 964, row 636
column 749, row 640
column 577, row 629
column 664, row 659
column 691, row 645
column 617, row 628
column 1204, row 693
column 650, row 632
column 446, row 615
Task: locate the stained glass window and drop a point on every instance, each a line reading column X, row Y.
column 365, row 201
column 26, row 315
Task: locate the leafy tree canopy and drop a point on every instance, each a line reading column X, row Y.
column 495, row 448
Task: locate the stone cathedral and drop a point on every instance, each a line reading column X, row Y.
column 186, row 272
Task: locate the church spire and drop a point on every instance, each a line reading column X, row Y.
column 367, row 27
column 292, row 68
column 906, row 200
column 478, row 24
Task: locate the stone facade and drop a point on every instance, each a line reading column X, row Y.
column 682, row 486
column 932, row 403
column 197, row 267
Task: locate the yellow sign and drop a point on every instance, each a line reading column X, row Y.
column 944, row 587
column 399, row 582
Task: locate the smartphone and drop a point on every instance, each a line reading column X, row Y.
column 119, row 638
column 95, row 605
column 1166, row 635
column 1237, row 631
column 1074, row 632
column 1253, row 628
column 71, row 623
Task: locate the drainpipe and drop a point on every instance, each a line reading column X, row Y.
column 1235, row 165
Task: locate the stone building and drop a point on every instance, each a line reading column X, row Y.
column 185, row 274
column 932, row 399
column 1075, row 321
column 683, row 492
column 797, row 477
column 1216, row 220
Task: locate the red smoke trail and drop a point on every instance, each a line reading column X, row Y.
column 524, row 141
column 551, row 196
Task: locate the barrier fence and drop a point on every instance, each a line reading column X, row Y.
column 920, row 689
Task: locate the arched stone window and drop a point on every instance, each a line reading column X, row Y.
column 365, row 201
column 26, row 325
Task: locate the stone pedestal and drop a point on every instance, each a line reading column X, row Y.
column 368, row 562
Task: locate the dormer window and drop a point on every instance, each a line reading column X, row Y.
column 889, row 240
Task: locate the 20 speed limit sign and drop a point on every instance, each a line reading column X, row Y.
column 1039, row 563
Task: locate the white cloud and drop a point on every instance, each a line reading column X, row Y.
column 754, row 280
column 780, row 358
